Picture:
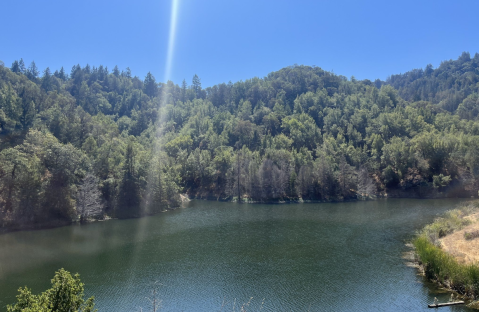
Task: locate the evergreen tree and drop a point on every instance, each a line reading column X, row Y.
column 150, row 85
column 116, row 71
column 33, row 72
column 184, row 88
column 62, row 74
column 128, row 72
column 47, row 80
column 74, row 71
column 21, row 66
column 15, row 67
column 196, row 85
column 129, row 195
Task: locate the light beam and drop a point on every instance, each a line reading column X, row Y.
column 171, row 40
column 154, row 162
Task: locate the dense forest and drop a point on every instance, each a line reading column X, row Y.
column 95, row 143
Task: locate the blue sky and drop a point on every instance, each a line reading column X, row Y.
column 223, row 40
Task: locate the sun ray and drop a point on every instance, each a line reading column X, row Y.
column 171, row 40
column 154, row 161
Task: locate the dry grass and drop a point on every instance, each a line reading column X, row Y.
column 446, row 256
column 474, row 305
column 465, row 251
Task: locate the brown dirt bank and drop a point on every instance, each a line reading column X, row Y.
column 465, row 251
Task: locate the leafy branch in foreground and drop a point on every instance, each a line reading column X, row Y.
column 65, row 295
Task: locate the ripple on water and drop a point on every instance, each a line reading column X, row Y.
column 326, row 257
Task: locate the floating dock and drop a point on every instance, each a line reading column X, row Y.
column 440, row 305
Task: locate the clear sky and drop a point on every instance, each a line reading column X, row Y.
column 223, row 40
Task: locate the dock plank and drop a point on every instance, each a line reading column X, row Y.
column 439, row 305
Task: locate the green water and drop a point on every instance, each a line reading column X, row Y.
column 321, row 257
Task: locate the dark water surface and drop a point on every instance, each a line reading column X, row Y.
column 321, row 257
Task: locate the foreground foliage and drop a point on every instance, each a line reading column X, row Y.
column 66, row 295
column 95, row 142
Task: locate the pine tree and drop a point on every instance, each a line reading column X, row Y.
column 184, row 87
column 196, row 85
column 150, row 85
column 21, row 66
column 74, row 70
column 87, row 69
column 33, row 72
column 46, row 80
column 129, row 197
column 60, row 74
column 127, row 72
column 15, row 67
column 116, row 71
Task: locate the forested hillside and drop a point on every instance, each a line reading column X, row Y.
column 93, row 142
column 453, row 86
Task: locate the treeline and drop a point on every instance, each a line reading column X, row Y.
column 453, row 86
column 93, row 142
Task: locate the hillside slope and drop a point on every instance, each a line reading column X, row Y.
column 93, row 142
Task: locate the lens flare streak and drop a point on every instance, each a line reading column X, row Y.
column 171, row 40
column 154, row 162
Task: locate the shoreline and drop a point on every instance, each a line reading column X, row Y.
column 444, row 264
column 56, row 224
column 186, row 198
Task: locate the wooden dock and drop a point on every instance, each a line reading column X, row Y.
column 440, row 305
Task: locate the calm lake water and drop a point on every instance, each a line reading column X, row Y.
column 214, row 256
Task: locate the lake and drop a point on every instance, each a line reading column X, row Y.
column 215, row 256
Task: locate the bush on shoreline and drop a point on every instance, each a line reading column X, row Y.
column 442, row 267
column 471, row 235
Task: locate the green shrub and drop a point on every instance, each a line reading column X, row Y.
column 66, row 294
column 471, row 235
